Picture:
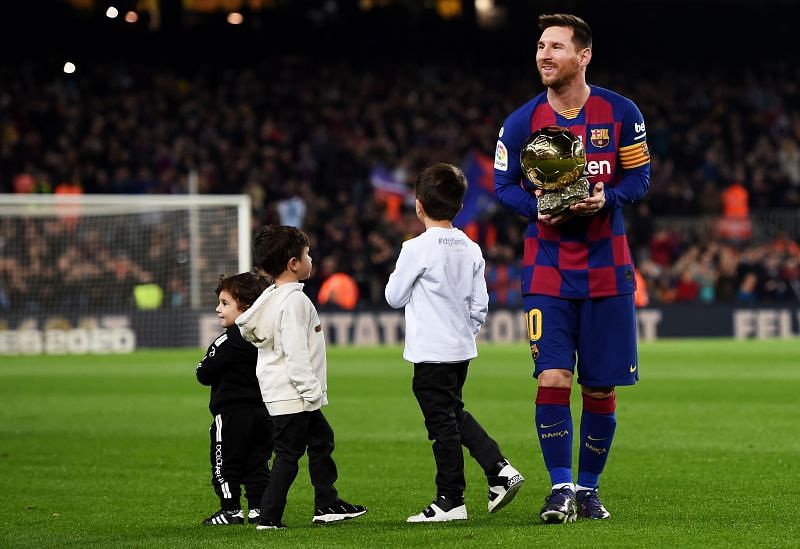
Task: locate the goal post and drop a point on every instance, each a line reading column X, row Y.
column 86, row 264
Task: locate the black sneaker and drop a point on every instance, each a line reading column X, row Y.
column 340, row 510
column 503, row 485
column 559, row 506
column 269, row 524
column 590, row 506
column 225, row 518
column 253, row 515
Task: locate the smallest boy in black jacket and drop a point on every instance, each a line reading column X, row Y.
column 241, row 434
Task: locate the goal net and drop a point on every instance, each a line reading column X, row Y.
column 109, row 273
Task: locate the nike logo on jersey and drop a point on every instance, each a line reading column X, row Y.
column 543, row 426
column 632, row 368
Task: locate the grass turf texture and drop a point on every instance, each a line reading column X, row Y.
column 111, row 451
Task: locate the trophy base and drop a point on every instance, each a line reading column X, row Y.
column 554, row 202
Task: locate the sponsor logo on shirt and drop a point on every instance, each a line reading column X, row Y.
column 451, row 241
column 501, row 157
column 603, row 167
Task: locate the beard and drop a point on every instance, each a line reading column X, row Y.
column 564, row 76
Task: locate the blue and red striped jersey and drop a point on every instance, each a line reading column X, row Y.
column 583, row 257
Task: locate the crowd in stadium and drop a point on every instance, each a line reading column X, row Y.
column 335, row 148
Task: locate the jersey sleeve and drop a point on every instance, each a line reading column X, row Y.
column 507, row 170
column 219, row 356
column 401, row 281
column 294, row 328
column 479, row 306
column 634, row 159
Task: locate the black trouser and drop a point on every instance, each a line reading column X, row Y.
column 437, row 387
column 293, row 434
column 241, row 445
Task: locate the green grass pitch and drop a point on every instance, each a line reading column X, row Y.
column 112, row 451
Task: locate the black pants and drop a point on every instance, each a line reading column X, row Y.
column 241, row 445
column 294, row 433
column 438, row 391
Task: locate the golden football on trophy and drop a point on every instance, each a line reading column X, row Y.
column 553, row 159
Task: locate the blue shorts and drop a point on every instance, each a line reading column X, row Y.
column 596, row 335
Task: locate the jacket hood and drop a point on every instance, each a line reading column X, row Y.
column 259, row 323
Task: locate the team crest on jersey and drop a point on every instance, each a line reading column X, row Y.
column 534, row 351
column 501, row 157
column 599, row 137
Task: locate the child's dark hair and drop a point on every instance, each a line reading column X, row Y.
column 275, row 245
column 440, row 189
column 243, row 287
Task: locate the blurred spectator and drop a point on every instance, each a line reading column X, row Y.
column 748, row 288
column 339, row 289
column 735, row 224
column 641, row 298
column 687, row 289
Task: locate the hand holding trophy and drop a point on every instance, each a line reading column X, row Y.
column 553, row 159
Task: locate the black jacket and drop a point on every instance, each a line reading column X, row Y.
column 229, row 367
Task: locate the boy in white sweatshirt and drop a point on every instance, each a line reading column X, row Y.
column 439, row 279
column 285, row 327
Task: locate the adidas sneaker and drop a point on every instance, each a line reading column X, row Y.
column 224, row 518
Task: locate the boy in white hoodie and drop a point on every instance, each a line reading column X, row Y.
column 439, row 279
column 292, row 374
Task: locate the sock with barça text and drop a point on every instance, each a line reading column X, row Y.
column 598, row 423
column 554, row 427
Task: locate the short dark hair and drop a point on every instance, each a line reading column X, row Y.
column 275, row 245
column 243, row 287
column 440, row 189
column 581, row 31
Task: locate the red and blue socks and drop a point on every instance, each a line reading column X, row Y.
column 598, row 422
column 554, row 427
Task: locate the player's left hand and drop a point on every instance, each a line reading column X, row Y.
column 591, row 204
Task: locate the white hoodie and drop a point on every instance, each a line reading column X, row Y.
column 292, row 369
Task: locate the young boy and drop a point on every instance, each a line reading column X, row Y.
column 439, row 279
column 241, row 435
column 285, row 327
